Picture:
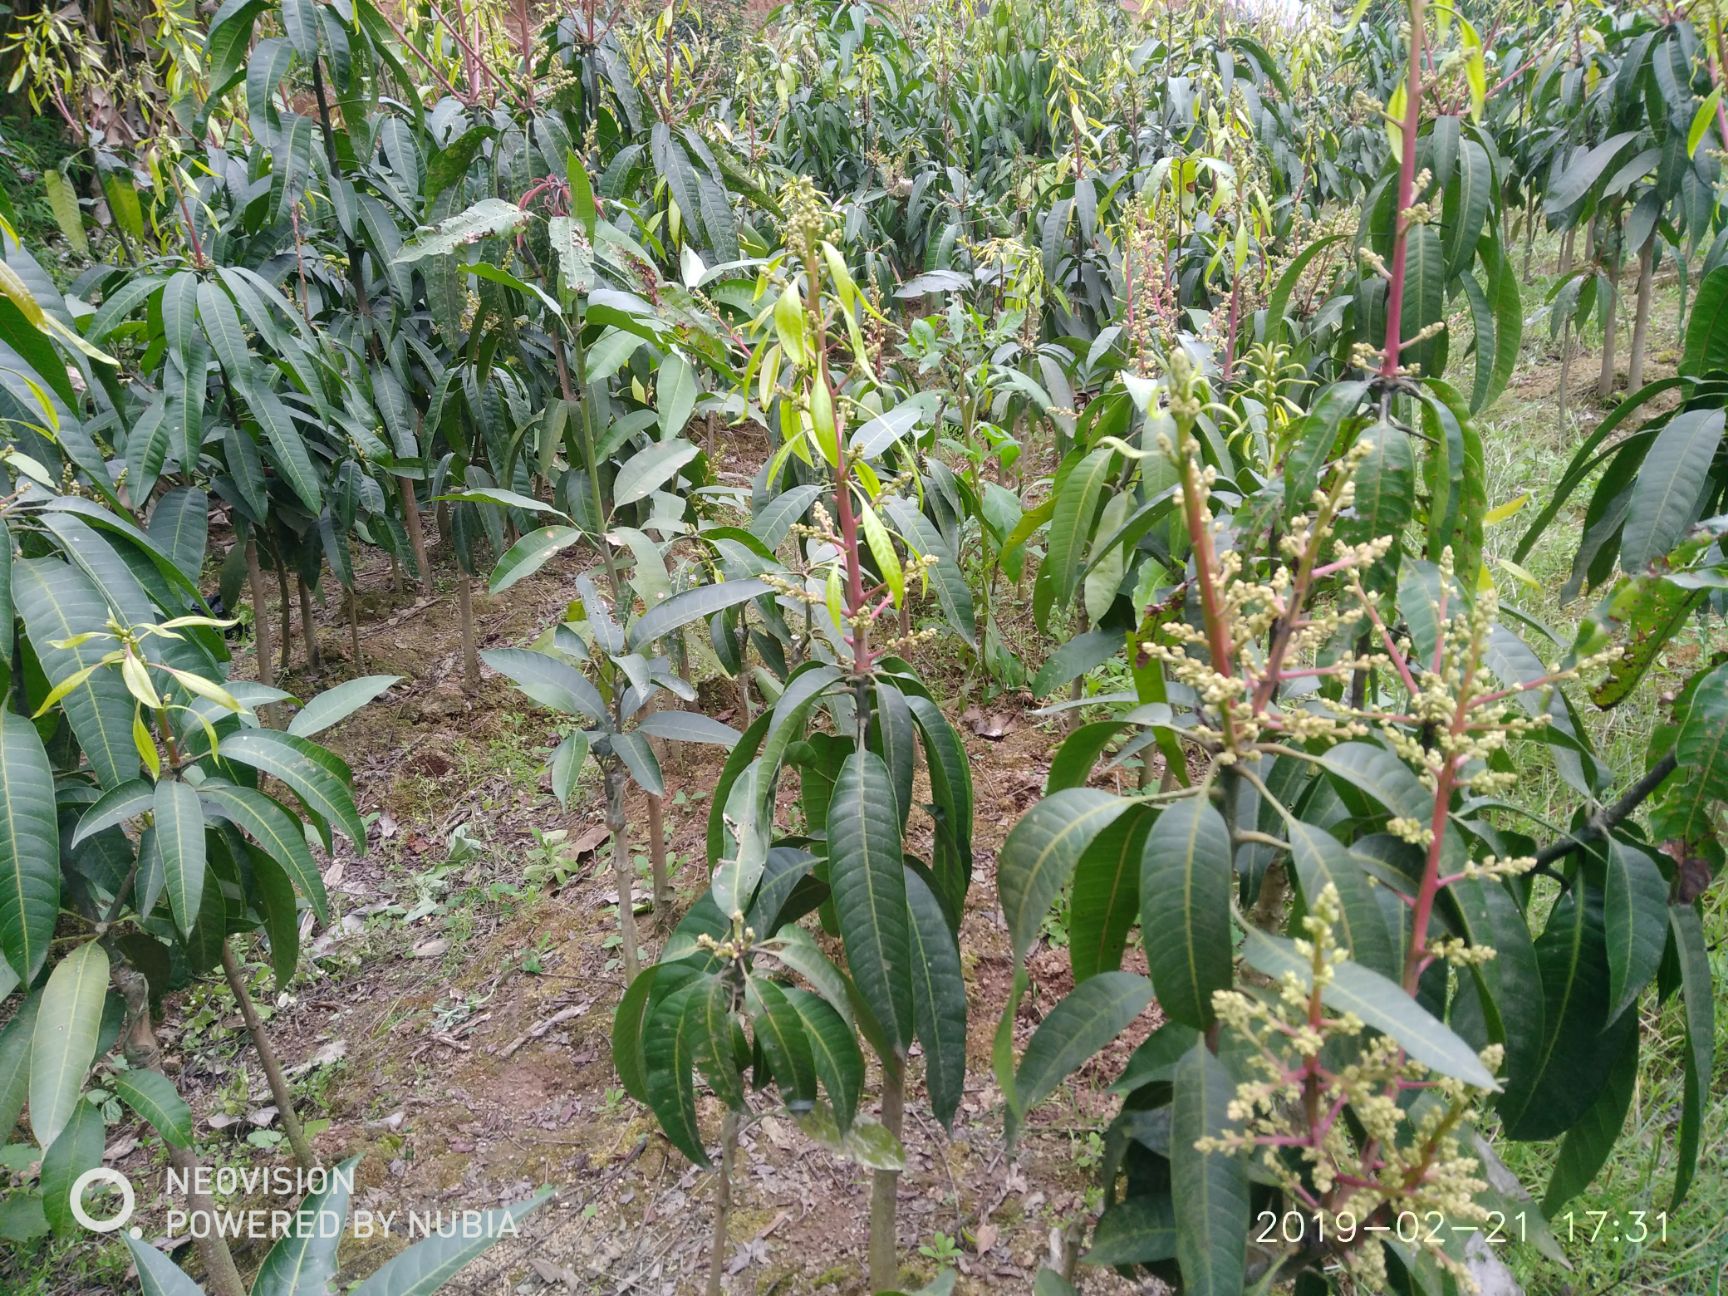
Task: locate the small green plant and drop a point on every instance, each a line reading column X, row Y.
column 941, row 1248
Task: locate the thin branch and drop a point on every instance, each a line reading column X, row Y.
column 1606, row 819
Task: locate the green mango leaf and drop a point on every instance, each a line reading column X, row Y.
column 1041, row 852
column 1139, row 1230
column 1210, row 1190
column 1093, row 1014
column 488, row 217
column 868, row 882
column 938, row 998
column 1186, row 881
column 1379, row 1002
column 29, row 847
column 692, row 605
column 157, row 1274
column 529, row 554
column 430, row 1264
column 334, row 705
column 1636, row 923
column 549, row 681
column 180, row 839
column 649, row 469
column 1697, row 991
column 64, row 1043
column 79, row 1148
column 303, row 1263
column 153, row 1096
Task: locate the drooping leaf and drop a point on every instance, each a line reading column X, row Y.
column 780, row 1031
column 64, row 1043
column 1105, row 899
column 550, row 682
column 938, row 998
column 1572, row 1064
column 152, row 1096
column 29, row 847
column 1379, row 1002
column 1706, row 348
column 180, row 839
column 1210, row 1189
column 303, row 1261
column 1092, row 1014
column 429, row 1264
column 834, row 1050
column 868, row 881
column 1588, row 1144
column 79, row 1148
column 1186, row 882
column 666, row 1055
column 312, row 773
column 1636, row 923
column 274, row 829
column 1697, row 991
column 1040, row 854
column 1671, row 485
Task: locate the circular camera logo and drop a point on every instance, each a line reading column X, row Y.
column 102, row 1175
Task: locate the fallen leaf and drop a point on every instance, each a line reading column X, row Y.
column 591, row 840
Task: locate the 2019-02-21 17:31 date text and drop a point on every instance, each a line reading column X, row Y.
column 1410, row 1226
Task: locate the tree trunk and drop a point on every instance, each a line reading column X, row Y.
column 465, row 611
column 354, row 629
column 657, row 833
column 279, row 1088
column 263, row 641
column 885, row 1184
column 1610, row 313
column 144, row 1053
column 1641, row 316
column 1565, row 266
column 285, row 603
column 723, row 1203
column 1565, row 367
column 623, row 875
column 657, row 859
column 308, row 631
column 411, row 520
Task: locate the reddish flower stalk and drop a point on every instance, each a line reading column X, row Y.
column 1406, row 193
